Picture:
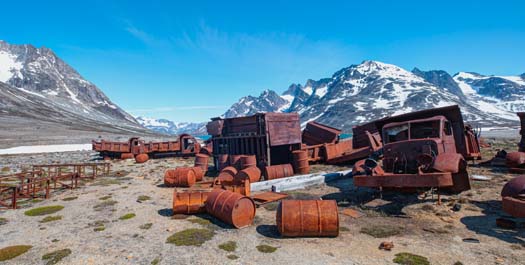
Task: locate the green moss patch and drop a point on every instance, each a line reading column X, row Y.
column 381, row 231
column 44, row 210
column 406, row 258
column 56, row 256
column 11, row 252
column 70, row 198
column 191, row 237
column 232, row 257
column 51, row 218
column 344, row 229
column 127, row 216
column 3, row 221
column 107, row 182
column 105, row 204
column 105, row 198
column 155, row 261
column 266, row 248
column 146, row 226
column 229, row 246
column 37, row 200
column 143, row 198
column 99, row 228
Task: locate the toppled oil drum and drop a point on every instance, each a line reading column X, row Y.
column 189, row 202
column 231, row 208
column 248, row 161
column 180, row 177
column 252, row 173
column 199, row 174
column 141, row 158
column 201, row 160
column 222, row 161
column 300, row 161
column 278, row 171
column 242, row 187
column 235, row 161
column 515, row 159
column 514, row 187
column 227, row 174
column 316, row 218
column 126, row 156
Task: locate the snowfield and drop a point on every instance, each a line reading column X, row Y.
column 34, row 149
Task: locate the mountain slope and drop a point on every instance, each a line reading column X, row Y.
column 169, row 127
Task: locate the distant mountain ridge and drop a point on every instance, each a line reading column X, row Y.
column 372, row 90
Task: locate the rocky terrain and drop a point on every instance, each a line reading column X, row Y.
column 372, row 90
column 44, row 100
column 125, row 218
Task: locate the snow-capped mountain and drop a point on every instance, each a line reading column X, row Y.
column 372, row 90
column 38, row 87
column 169, row 127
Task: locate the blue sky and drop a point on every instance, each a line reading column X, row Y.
column 189, row 62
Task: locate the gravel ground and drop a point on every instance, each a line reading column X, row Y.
column 424, row 228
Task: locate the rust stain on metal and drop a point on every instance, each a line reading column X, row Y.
column 278, row 171
column 199, row 174
column 268, row 197
column 189, row 202
column 231, row 208
column 298, row 218
column 227, row 174
column 179, row 177
column 252, row 173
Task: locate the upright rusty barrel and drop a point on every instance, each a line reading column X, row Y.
column 235, row 161
column 201, row 160
column 230, row 207
column 222, row 161
column 189, row 202
column 248, row 161
column 141, row 158
column 199, row 174
column 251, row 173
column 126, row 156
column 227, row 174
column 300, row 160
column 179, row 177
column 297, row 218
column 278, row 171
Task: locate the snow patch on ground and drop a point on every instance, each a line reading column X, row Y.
column 33, row 149
column 9, row 67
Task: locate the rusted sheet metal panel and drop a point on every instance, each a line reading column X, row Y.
column 522, row 132
column 353, row 155
column 215, row 127
column 231, row 208
column 515, row 159
column 268, row 197
column 317, row 133
column 283, row 128
column 472, row 143
column 430, row 180
column 332, row 151
column 307, row 218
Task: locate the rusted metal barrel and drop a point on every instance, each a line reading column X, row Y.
column 179, row 177
column 227, row 174
column 521, row 145
column 223, row 161
column 278, row 171
column 126, row 156
column 251, row 173
column 199, row 174
column 297, row 218
column 300, row 160
column 231, row 208
column 248, row 161
column 141, row 158
column 515, row 159
column 201, row 160
column 189, row 202
column 235, row 161
column 242, row 187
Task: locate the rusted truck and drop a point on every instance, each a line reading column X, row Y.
column 424, row 149
column 186, row 145
column 271, row 137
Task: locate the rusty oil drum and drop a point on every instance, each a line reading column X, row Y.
column 126, row 156
column 227, row 174
column 300, row 160
column 248, row 161
column 304, row 218
column 242, row 187
column 278, row 171
column 201, row 160
column 235, row 161
column 179, row 177
column 189, row 202
column 252, row 173
column 231, row 208
column 199, row 174
column 141, row 158
column 222, row 161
